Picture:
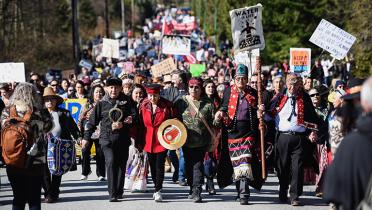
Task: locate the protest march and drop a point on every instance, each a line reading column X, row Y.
column 170, row 98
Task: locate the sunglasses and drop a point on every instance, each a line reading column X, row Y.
column 194, row 87
column 315, row 94
column 54, row 85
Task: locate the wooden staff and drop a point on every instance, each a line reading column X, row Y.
column 261, row 123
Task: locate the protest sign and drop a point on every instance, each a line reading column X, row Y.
column 12, row 72
column 332, row 39
column 110, row 48
column 176, row 45
column 74, row 106
column 86, row 64
column 128, row 67
column 197, row 69
column 246, row 27
column 97, row 50
column 164, row 67
column 300, row 59
column 243, row 58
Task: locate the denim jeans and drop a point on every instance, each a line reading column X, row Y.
column 182, row 173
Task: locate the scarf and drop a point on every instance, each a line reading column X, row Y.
column 233, row 101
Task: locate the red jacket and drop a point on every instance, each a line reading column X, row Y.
column 150, row 123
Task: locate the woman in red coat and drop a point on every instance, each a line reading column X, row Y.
column 153, row 112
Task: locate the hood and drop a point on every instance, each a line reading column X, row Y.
column 364, row 123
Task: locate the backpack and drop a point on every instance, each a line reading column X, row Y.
column 16, row 139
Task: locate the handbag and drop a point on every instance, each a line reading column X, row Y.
column 61, row 155
column 136, row 173
column 140, row 180
column 215, row 136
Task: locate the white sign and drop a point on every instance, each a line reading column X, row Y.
column 243, row 58
column 332, row 39
column 246, row 27
column 12, row 72
column 110, row 48
column 176, row 45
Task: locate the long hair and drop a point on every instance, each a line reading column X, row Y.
column 91, row 93
column 26, row 94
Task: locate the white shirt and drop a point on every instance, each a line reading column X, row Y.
column 281, row 120
column 56, row 131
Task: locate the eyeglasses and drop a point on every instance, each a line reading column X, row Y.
column 194, row 87
column 53, row 85
column 315, row 94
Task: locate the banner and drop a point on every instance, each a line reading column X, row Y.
column 164, row 67
column 74, row 106
column 110, row 48
column 12, row 72
column 176, row 45
column 246, row 27
column 197, row 69
column 332, row 39
column 300, row 59
column 189, row 26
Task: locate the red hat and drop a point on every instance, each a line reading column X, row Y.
column 153, row 89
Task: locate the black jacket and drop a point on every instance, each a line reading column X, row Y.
column 69, row 127
column 101, row 114
column 347, row 178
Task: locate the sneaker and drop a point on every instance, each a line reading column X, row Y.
column 114, row 199
column 83, row 177
column 158, row 197
column 101, row 178
column 182, row 183
column 295, row 202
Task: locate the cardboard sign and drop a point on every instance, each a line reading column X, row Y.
column 332, row 39
column 197, row 69
column 164, row 67
column 176, row 45
column 12, row 72
column 74, row 106
column 246, row 27
column 300, row 59
column 110, row 48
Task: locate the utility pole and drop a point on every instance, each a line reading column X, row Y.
column 75, row 35
column 132, row 16
column 122, row 16
column 107, row 19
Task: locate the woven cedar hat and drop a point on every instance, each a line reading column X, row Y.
column 172, row 134
column 49, row 93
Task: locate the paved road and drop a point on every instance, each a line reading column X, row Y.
column 91, row 194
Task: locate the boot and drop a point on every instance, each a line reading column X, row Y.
column 191, row 194
column 210, row 187
column 197, row 192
